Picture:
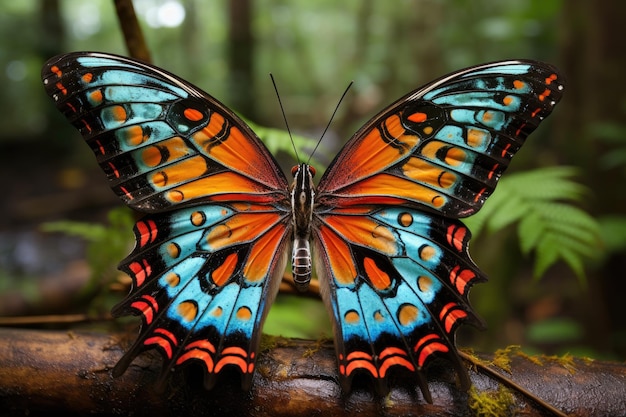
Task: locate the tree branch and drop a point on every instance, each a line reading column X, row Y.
column 44, row 372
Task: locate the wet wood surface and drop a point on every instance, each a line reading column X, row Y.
column 68, row 372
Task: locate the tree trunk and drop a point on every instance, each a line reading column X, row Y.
column 48, row 372
column 241, row 56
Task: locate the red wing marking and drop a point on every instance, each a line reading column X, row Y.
column 428, row 345
column 460, row 278
column 147, row 232
column 394, row 361
column 147, row 306
column 140, row 271
column 456, row 235
column 449, row 314
column 162, row 342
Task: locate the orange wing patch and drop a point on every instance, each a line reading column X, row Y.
column 364, row 231
column 389, row 189
column 423, row 171
column 382, row 147
column 339, row 256
column 241, row 228
column 229, row 146
column 263, row 253
column 212, row 187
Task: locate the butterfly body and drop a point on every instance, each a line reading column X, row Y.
column 381, row 225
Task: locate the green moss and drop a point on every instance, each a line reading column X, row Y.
column 566, row 361
column 502, row 357
column 491, row 403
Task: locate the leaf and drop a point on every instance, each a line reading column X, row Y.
column 543, row 203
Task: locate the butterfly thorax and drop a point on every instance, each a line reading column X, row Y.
column 302, row 198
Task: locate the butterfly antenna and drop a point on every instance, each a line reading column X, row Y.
column 282, row 110
column 330, row 121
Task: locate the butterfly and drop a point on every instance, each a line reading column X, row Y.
column 220, row 216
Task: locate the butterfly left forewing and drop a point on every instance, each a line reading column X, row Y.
column 161, row 141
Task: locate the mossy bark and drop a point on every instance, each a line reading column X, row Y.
column 68, row 372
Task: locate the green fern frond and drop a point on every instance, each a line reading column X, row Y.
column 542, row 202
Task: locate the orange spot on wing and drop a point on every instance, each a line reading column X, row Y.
column 518, row 84
column 222, row 273
column 408, row 314
column 352, row 317
column 551, row 78
column 244, row 313
column 507, row 100
column 379, row 278
column 544, row 95
column 56, row 71
column 455, row 156
column 476, row 137
column 192, row 114
column 188, row 310
column 118, row 113
column 96, row 97
column 62, row 88
column 87, row 77
column 134, row 135
column 418, row 117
